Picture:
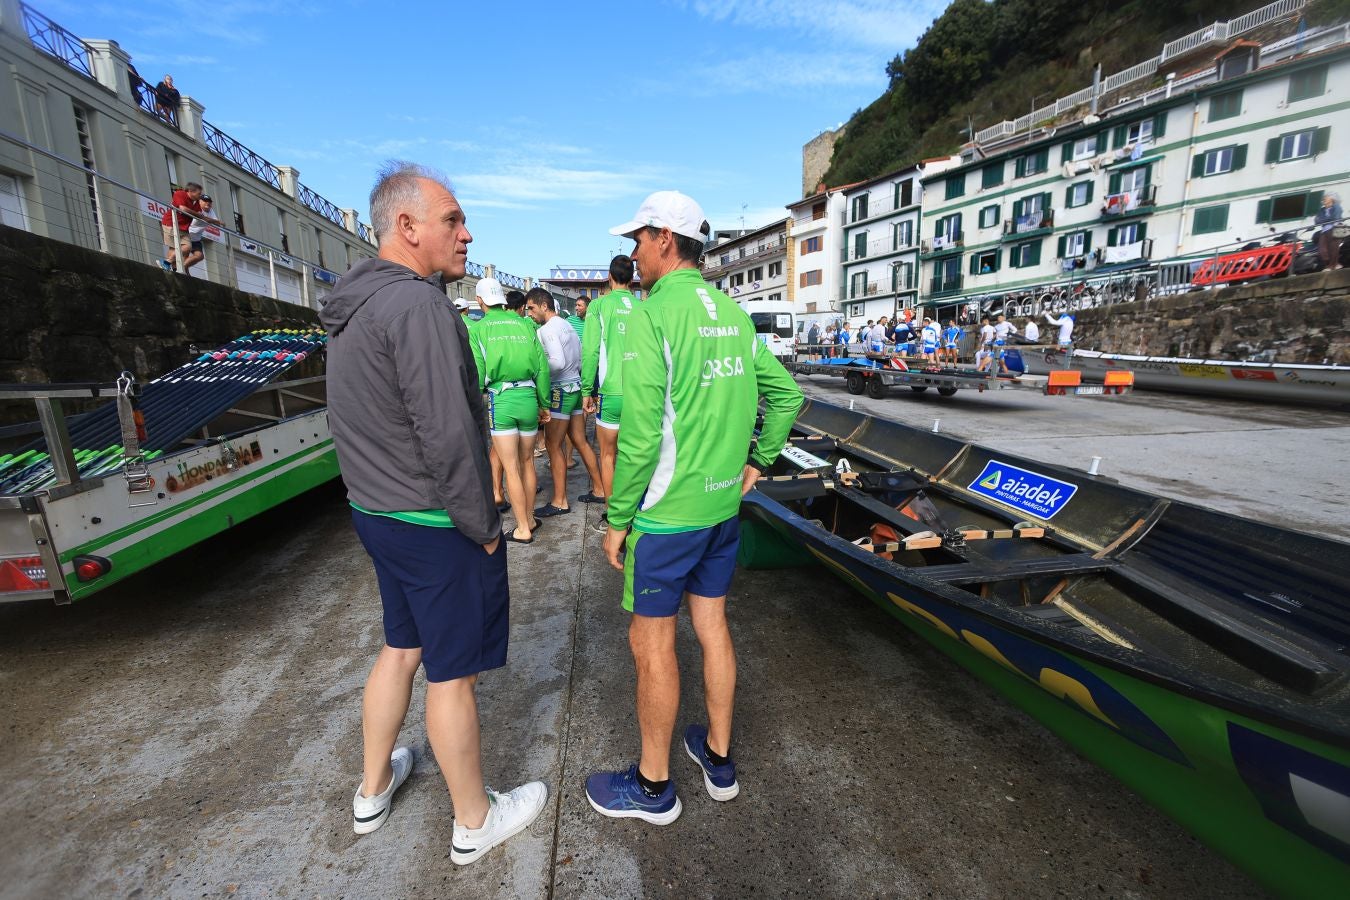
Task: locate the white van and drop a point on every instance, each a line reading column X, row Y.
column 775, row 325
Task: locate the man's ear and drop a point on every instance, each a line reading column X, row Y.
column 407, row 226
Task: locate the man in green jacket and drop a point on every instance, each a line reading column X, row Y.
column 513, row 372
column 602, row 361
column 693, row 376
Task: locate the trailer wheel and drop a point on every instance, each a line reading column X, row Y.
column 918, row 388
column 876, row 388
column 855, row 383
column 946, row 391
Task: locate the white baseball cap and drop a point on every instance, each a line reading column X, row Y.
column 489, row 290
column 462, row 303
column 668, row 209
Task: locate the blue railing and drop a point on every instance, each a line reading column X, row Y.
column 222, row 144
column 55, row 41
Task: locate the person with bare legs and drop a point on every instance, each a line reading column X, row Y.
column 602, row 359
column 513, row 372
column 416, row 476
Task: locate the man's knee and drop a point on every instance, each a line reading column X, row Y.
column 404, row 660
column 651, row 637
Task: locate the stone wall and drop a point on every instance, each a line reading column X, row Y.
column 816, row 156
column 71, row 314
column 1305, row 319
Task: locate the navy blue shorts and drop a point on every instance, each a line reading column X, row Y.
column 441, row 592
column 659, row 568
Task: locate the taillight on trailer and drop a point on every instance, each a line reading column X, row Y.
column 87, row 568
column 23, row 573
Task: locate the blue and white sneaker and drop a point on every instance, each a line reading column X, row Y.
column 618, row 795
column 719, row 780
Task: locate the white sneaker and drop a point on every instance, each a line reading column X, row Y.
column 369, row 813
column 508, row 814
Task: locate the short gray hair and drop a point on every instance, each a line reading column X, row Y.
column 397, row 190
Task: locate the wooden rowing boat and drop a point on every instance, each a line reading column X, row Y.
column 1200, row 657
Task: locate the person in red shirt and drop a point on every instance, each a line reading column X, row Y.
column 187, row 203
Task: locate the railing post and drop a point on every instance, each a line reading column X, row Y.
column 190, row 114
column 289, row 176
column 349, row 220
column 110, row 64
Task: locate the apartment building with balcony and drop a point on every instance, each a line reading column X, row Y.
column 815, row 233
column 1237, row 143
column 749, row 265
column 879, row 253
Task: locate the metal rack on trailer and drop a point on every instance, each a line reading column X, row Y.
column 74, row 520
column 874, row 374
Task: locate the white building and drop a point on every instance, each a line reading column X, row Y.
column 751, row 265
column 815, row 230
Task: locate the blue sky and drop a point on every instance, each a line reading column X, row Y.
column 552, row 120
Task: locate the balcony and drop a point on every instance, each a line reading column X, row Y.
column 721, row 259
column 1123, row 255
column 869, row 291
column 1129, row 204
column 942, row 245
column 940, row 286
column 1030, row 225
column 879, row 247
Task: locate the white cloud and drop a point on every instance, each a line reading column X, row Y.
column 542, row 182
column 884, row 24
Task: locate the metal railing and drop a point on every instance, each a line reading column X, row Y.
column 147, row 100
column 323, row 207
column 852, row 253
column 56, row 42
column 222, row 144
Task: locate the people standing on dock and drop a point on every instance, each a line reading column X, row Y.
column 827, row 342
column 1031, row 331
column 578, row 317
column 1002, row 329
column 843, row 338
column 602, row 365
column 565, row 416
column 1065, row 323
column 985, row 355
column 929, row 336
column 687, row 456
column 186, row 204
column 813, row 342
column 951, row 342
column 513, row 372
column 407, row 416
column 1329, row 217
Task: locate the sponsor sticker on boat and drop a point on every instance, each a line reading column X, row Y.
column 1023, row 489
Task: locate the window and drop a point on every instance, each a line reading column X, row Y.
column 1239, row 61
column 318, row 244
column 1079, row 194
column 171, row 165
column 1225, row 105
column 857, row 285
column 775, row 270
column 857, row 310
column 738, row 279
column 991, row 176
column 947, row 231
column 1141, row 131
column 1298, row 144
column 818, row 210
column 956, row 186
column 1219, row 161
column 989, row 216
column 1307, row 84
column 1025, row 254
column 904, row 234
column 984, row 262
column 775, row 298
column 1289, row 206
column 904, row 193
column 238, row 209
column 1124, row 235
column 1210, row 219
column 1076, row 244
column 281, row 229
column 902, row 276
column 755, row 274
column 859, row 207
column 1084, row 148
column 1032, row 163
column 810, row 278
column 13, row 211
column 860, row 245
column 810, row 245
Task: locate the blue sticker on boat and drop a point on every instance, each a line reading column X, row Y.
column 1023, row 489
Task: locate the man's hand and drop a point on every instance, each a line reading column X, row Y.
column 544, row 415
column 614, row 539
column 491, row 546
column 588, row 404
column 748, row 479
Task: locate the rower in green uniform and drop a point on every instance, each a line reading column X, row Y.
column 693, row 377
column 513, row 372
column 602, row 360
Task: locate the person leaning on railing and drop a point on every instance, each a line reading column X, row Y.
column 167, row 99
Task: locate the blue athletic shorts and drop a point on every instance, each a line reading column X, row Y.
column 659, row 568
column 441, row 592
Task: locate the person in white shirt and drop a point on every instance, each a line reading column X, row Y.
column 985, row 355
column 566, row 417
column 1065, row 323
column 1031, row 331
column 1002, row 328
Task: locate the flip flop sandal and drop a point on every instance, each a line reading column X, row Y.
column 548, row 509
column 591, row 497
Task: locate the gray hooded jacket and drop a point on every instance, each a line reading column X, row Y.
column 403, row 403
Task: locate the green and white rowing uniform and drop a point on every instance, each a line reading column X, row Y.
column 512, row 371
column 693, row 374
column 604, row 353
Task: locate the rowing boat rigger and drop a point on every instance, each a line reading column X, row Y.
column 1198, row 656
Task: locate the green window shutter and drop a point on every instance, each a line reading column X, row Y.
column 1273, row 150
column 956, row 224
column 998, row 259
column 1088, row 198
column 996, row 210
column 1148, row 174
column 1115, row 183
column 1065, row 152
column 974, row 263
column 1160, row 125
column 1087, row 242
column 1111, row 237
column 1264, row 210
column 1068, row 197
column 1101, row 142
column 1321, row 140
column 992, row 175
column 1063, row 241
column 1020, row 169
column 1035, row 254
column 1046, row 202
column 1142, row 231
column 1119, row 136
column 1239, row 156
column 1198, row 165
column 1017, row 210
column 1043, row 160
column 1312, row 203
column 937, row 228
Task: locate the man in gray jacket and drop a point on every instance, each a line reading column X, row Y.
column 408, row 425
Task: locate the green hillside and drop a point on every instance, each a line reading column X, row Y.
column 982, row 62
